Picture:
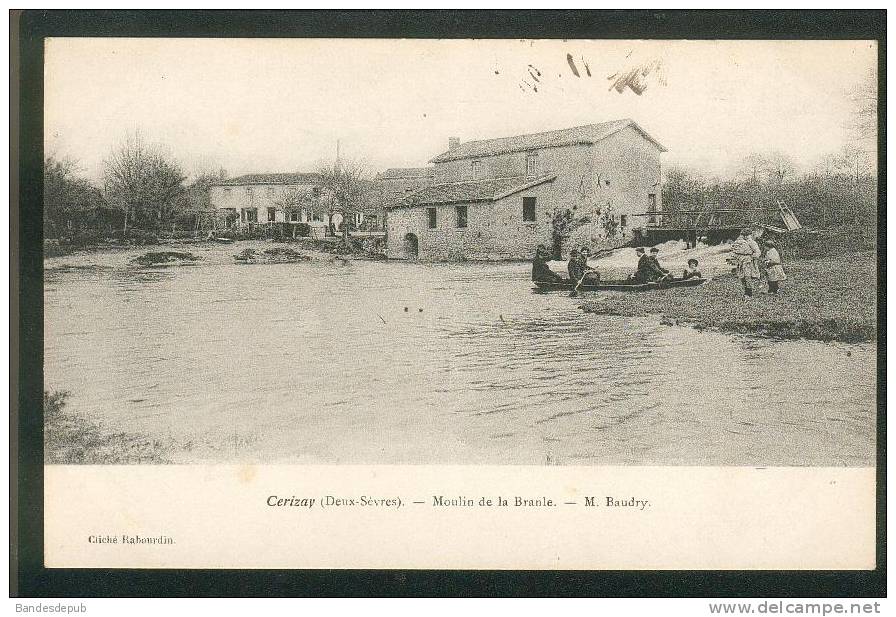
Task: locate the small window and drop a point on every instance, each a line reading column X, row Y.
column 272, row 215
column 249, row 191
column 431, row 218
column 461, row 216
column 529, row 209
column 623, row 221
column 531, row 165
column 294, row 216
column 476, row 169
column 315, row 192
column 250, row 215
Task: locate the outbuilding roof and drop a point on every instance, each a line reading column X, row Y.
column 586, row 135
column 281, row 178
column 401, row 173
column 490, row 189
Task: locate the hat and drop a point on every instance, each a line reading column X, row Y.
column 640, row 249
column 654, row 250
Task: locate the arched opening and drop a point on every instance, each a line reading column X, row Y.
column 411, row 246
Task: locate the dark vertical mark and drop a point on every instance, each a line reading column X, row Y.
column 587, row 68
column 572, row 65
column 533, row 75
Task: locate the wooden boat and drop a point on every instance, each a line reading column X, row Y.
column 626, row 285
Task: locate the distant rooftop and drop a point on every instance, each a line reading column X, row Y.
column 585, row 135
column 297, row 178
column 401, row 173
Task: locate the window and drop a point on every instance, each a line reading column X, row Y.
column 250, row 215
column 531, row 165
column 272, row 215
column 529, row 209
column 623, row 221
column 476, row 169
column 294, row 216
column 431, row 217
column 315, row 192
column 461, row 216
column 249, row 191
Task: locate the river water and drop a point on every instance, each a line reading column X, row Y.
column 387, row 362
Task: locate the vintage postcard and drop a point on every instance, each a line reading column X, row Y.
column 479, row 304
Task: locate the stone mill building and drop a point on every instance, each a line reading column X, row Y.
column 495, row 199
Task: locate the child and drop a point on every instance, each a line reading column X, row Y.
column 774, row 271
column 692, row 272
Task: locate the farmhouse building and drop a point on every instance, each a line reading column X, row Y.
column 271, row 198
column 496, row 199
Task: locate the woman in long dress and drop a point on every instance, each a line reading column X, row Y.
column 774, row 270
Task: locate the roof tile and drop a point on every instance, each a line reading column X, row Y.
column 588, row 134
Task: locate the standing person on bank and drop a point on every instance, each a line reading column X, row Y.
column 746, row 253
column 774, row 270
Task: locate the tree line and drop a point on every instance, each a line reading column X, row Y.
column 145, row 190
column 840, row 189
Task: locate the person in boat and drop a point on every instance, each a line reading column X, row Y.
column 578, row 267
column 745, row 253
column 774, row 270
column 656, row 272
column 691, row 272
column 643, row 268
column 541, row 272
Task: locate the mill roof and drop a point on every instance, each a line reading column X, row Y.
column 586, row 135
column 490, row 189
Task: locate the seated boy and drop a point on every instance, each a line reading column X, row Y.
column 692, row 272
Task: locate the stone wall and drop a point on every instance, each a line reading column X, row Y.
column 495, row 230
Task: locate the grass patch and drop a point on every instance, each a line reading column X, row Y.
column 160, row 258
column 827, row 299
column 70, row 439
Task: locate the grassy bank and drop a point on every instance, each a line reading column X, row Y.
column 70, row 439
column 828, row 299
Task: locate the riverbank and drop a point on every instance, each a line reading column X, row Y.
column 70, row 439
column 826, row 299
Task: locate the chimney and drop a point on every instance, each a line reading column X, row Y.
column 453, row 142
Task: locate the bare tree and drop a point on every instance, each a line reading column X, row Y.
column 863, row 122
column 142, row 181
column 754, row 165
column 68, row 198
column 778, row 166
column 345, row 185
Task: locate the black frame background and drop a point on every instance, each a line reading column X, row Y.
column 28, row 577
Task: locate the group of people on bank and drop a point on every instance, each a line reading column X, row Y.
column 746, row 256
column 747, row 259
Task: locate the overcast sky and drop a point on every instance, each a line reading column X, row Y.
column 271, row 105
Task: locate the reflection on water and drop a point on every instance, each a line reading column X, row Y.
column 403, row 363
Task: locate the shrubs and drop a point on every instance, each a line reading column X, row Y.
column 163, row 258
column 70, row 439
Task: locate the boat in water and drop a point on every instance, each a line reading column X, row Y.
column 624, row 285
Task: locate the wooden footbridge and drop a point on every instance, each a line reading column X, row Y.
column 715, row 223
